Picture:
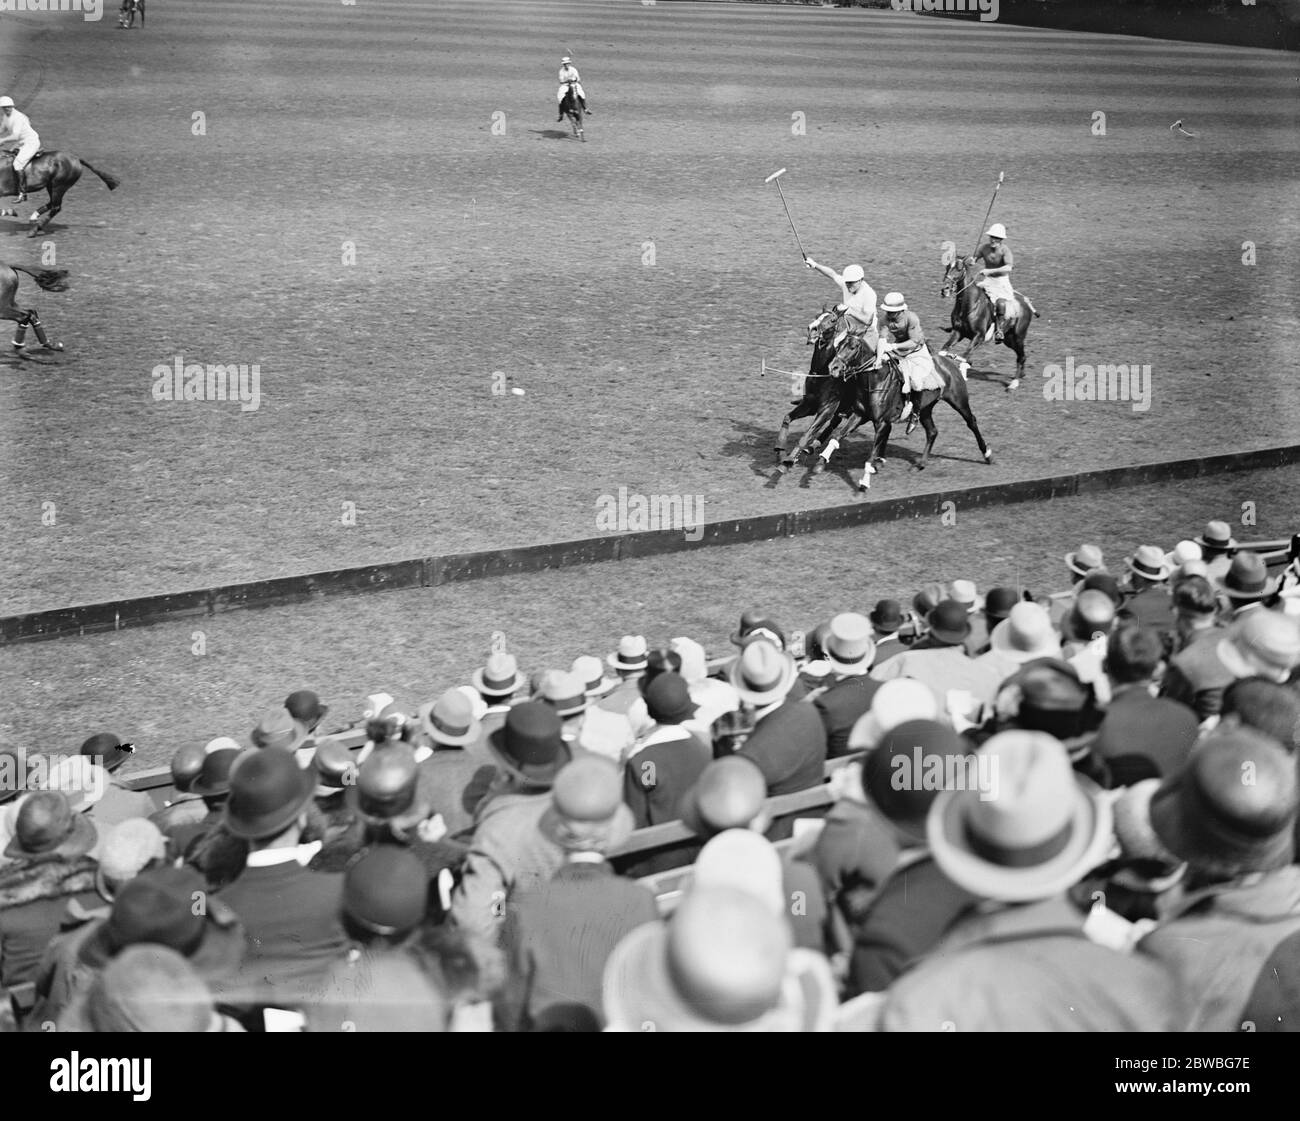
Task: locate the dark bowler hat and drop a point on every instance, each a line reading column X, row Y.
column 334, row 766
column 186, row 766
column 305, row 707
column 756, row 623
column 158, row 907
column 268, row 790
column 668, row 699
column 386, row 787
column 108, row 750
column 214, row 777
column 386, row 890
column 999, row 602
column 903, row 791
column 949, row 622
column 1247, row 578
column 530, row 744
column 887, row 615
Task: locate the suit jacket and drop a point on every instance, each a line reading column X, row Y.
column 942, row 668
column 450, row 781
column 789, row 746
column 34, row 895
column 660, row 770
column 1151, row 607
column 293, row 922
column 559, row 935
column 890, row 646
column 1197, row 677
column 1137, row 723
column 840, row 706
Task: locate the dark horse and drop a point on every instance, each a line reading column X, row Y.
column 973, row 314
column 54, row 172
column 823, row 395
column 880, row 400
column 52, row 280
column 127, row 16
column 571, row 107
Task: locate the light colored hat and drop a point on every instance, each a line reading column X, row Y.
column 1216, row 535
column 565, row 692
column 965, row 592
column 1149, row 562
column 742, row 859
column 499, row 676
column 1026, row 634
column 450, row 719
column 566, row 58
column 125, row 850
column 592, row 672
column 221, row 743
column 632, row 653
column 6, row 102
column 896, row 702
column 1182, row 553
column 762, row 674
column 1035, row 834
column 894, row 302
column 852, row 273
column 1262, row 641
column 996, row 230
column 1085, row 559
column 587, row 812
column 724, row 963
column 1194, row 568
column 80, row 779
column 606, row 733
column 695, row 666
column 850, row 643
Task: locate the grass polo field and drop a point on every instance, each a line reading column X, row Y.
column 373, row 205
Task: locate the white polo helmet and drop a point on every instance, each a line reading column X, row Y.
column 6, row 102
column 565, row 60
column 894, row 302
column 852, row 273
column 996, row 230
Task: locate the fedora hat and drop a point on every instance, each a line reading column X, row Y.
column 386, row 890
column 668, row 699
column 949, row 622
column 305, row 707
column 850, row 644
column 965, row 593
column 756, row 623
column 387, row 788
column 587, row 812
column 1217, row 537
column 887, row 616
column 1037, row 833
column 744, row 860
column 1085, row 559
column 763, row 673
column 1209, row 816
column 157, row 907
column 277, row 729
column 108, row 750
column 898, row 775
column 450, row 720
column 896, row 701
column 1182, row 553
column 335, row 768
column 530, row 744
column 499, row 676
column 1247, row 578
column 125, row 851
column 592, row 671
column 268, row 790
column 725, row 962
column 145, row 988
column 1025, row 634
column 631, row 654
column 1262, row 642
column 47, row 824
column 563, row 691
column 729, row 794
column 1148, row 561
column 214, row 777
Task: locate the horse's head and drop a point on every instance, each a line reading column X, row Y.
column 819, row 329
column 852, row 357
column 954, row 272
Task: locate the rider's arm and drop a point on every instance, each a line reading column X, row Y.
column 915, row 338
column 830, row 274
column 1004, row 268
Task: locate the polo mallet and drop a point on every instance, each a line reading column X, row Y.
column 988, row 212
column 775, row 177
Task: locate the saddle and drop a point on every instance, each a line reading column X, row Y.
column 10, row 153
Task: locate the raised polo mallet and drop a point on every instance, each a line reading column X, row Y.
column 775, row 177
column 989, row 212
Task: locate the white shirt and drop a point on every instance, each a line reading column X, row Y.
column 15, row 127
column 861, row 303
column 569, row 74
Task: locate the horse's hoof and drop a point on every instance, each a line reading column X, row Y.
column 54, row 346
column 988, row 456
column 1014, row 383
column 819, row 466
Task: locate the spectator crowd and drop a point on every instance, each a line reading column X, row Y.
column 976, row 811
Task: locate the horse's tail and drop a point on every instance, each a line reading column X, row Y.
column 52, row 280
column 110, row 181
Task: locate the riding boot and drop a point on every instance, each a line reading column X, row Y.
column 914, row 401
column 21, row 177
column 999, row 320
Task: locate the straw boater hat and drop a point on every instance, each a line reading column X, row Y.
column 499, row 676
column 564, row 692
column 1025, row 634
column 592, row 672
column 850, row 644
column 631, row 654
column 1217, row 536
column 1036, row 833
column 965, row 593
column 762, row 674
column 450, row 720
column 1085, row 559
column 1149, row 562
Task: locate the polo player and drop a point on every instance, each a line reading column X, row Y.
column 902, row 339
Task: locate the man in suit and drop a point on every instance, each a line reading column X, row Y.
column 290, row 914
column 886, row 621
column 1146, row 599
column 850, row 650
column 789, row 740
column 667, row 759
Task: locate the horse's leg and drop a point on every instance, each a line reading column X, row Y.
column 34, row 322
column 1016, row 341
column 848, row 426
column 824, row 414
column 802, row 409
column 49, row 210
column 960, row 402
column 876, row 455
